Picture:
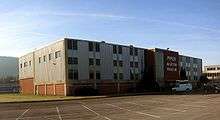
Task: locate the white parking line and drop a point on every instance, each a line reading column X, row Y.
column 58, row 112
column 96, row 112
column 137, row 112
column 23, row 113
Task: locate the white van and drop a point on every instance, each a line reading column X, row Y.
column 182, row 86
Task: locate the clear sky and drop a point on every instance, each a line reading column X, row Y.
column 191, row 27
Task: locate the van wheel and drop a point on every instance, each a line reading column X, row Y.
column 188, row 91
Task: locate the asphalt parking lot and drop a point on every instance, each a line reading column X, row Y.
column 144, row 107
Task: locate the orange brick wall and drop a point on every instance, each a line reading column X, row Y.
column 41, row 89
column 26, row 86
column 50, row 89
column 59, row 89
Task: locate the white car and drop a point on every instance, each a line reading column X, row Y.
column 182, row 86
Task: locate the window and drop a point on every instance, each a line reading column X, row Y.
column 21, row 65
column 50, row 56
column 114, row 49
column 121, row 63
column 39, row 59
column 218, row 68
column 121, row 76
column 115, row 76
column 98, row 75
column 131, row 51
column 90, row 46
column 44, row 58
column 70, row 74
column 75, row 46
column 119, row 49
column 29, row 63
column 188, row 60
column 91, row 61
column 131, row 64
column 97, row 47
column 97, row 62
column 195, row 60
column 72, row 60
column 75, row 75
column 136, row 64
column 114, row 62
column 57, row 54
column 25, row 64
column 131, row 76
column 136, row 76
column 135, row 51
column 70, row 44
column 91, row 75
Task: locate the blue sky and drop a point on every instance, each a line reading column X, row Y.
column 191, row 27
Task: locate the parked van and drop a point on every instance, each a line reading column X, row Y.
column 182, row 86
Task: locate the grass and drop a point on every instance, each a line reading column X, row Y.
column 25, row 98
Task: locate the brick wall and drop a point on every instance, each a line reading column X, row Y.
column 26, row 86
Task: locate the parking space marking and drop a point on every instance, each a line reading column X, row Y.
column 137, row 112
column 58, row 112
column 23, row 113
column 95, row 112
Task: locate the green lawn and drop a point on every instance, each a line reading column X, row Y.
column 21, row 98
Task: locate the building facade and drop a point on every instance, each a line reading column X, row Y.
column 62, row 67
column 165, row 67
column 212, row 72
column 9, row 74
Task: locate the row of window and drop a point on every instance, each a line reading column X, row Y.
column 213, row 74
column 218, row 68
column 57, row 54
column 94, row 46
column 26, row 64
column 73, row 75
column 120, row 63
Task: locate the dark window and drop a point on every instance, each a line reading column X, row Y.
column 75, row 46
column 50, row 56
column 131, row 64
column 57, row 54
column 121, row 76
column 97, row 62
column 115, row 76
column 119, row 49
column 91, row 61
column 195, row 60
column 187, row 59
column 30, row 63
column 39, row 59
column 97, row 47
column 115, row 62
column 75, row 75
column 91, row 75
column 72, row 60
column 131, row 76
column 135, row 51
column 25, row 64
column 70, row 74
column 131, row 51
column 21, row 65
column 136, row 76
column 75, row 60
column 90, row 46
column 136, row 64
column 114, row 49
column 121, row 63
column 70, row 44
column 98, row 75
column 44, row 58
